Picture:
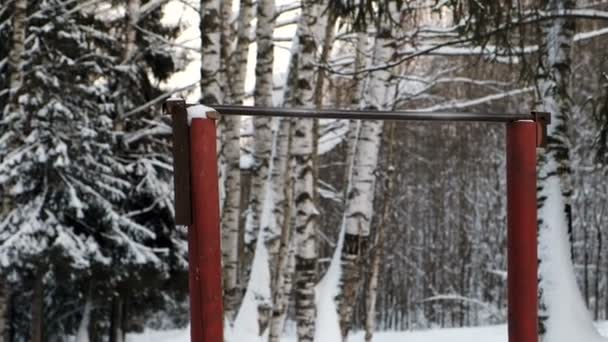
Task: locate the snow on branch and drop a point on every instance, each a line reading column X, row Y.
column 159, row 99
column 459, row 104
column 149, row 7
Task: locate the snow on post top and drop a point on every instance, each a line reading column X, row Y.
column 200, row 112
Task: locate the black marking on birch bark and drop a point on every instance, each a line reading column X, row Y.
column 355, row 244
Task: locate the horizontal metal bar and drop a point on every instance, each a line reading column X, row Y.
column 368, row 114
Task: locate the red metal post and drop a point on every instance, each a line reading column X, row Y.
column 521, row 232
column 207, row 317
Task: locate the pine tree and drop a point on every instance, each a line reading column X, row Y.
column 85, row 161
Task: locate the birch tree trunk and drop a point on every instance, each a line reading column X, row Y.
column 238, row 59
column 355, row 102
column 226, row 38
column 282, row 183
column 262, row 130
column 378, row 248
column 312, row 26
column 279, row 243
column 360, row 199
column 210, row 27
column 215, row 29
column 560, row 297
column 305, row 226
column 237, row 68
column 230, row 215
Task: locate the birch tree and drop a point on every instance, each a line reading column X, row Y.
column 210, row 28
column 262, row 140
column 311, row 27
column 360, row 199
column 280, row 229
column 560, row 297
column 378, row 246
column 263, row 144
column 237, row 67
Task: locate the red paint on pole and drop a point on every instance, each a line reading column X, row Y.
column 207, row 316
column 521, row 232
column 194, row 284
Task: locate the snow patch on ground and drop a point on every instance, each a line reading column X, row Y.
column 495, row 333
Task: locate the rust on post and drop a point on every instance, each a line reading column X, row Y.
column 542, row 119
column 181, row 160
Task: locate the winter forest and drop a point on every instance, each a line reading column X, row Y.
column 331, row 230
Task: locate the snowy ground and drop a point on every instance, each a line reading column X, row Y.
column 496, row 333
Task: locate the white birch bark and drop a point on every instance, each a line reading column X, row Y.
column 563, row 313
column 210, row 27
column 233, row 71
column 360, row 198
column 283, row 218
column 226, row 46
column 279, row 232
column 265, row 54
column 378, row 247
column 230, row 214
column 238, row 60
column 352, row 135
column 262, row 129
column 311, row 27
column 305, row 226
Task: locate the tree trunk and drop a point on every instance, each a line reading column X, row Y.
column 238, row 59
column 231, row 214
column 215, row 66
column 360, row 199
column 262, row 141
column 310, row 31
column 15, row 59
column 5, row 310
column 117, row 319
column 131, row 34
column 279, row 245
column 560, row 297
column 378, row 249
column 18, row 47
column 37, row 308
column 265, row 54
column 305, row 226
column 210, row 27
column 226, row 37
column 130, row 47
column 355, row 102
column 83, row 333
